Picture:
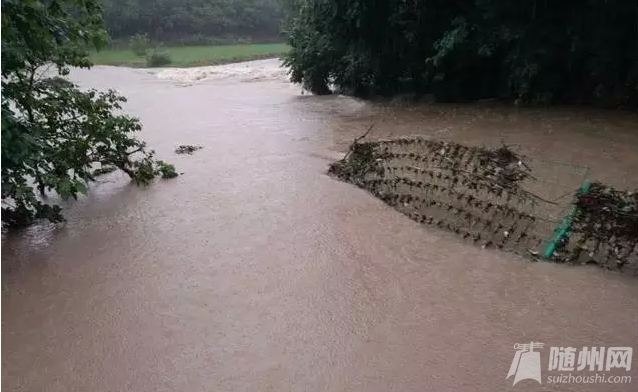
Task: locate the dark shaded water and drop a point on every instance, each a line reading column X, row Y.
column 254, row 271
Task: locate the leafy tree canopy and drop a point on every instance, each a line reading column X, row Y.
column 54, row 134
column 530, row 50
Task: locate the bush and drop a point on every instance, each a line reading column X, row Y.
column 157, row 59
column 139, row 44
column 166, row 170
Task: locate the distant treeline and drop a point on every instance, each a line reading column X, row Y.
column 193, row 21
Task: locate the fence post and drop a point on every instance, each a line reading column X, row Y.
column 565, row 226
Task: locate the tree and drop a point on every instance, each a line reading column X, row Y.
column 53, row 133
column 529, row 50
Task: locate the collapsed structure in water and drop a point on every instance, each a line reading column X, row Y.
column 498, row 198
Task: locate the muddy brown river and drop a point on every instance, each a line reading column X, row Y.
column 254, row 271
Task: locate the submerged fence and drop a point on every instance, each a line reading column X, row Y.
column 497, row 198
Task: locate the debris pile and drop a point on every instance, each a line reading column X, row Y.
column 604, row 229
column 361, row 161
column 503, row 167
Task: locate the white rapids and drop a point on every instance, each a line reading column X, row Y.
column 249, row 71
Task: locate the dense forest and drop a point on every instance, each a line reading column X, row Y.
column 539, row 51
column 193, row 21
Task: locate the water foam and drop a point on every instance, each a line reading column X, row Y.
column 249, row 71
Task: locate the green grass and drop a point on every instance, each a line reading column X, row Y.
column 190, row 56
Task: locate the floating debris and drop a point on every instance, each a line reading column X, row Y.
column 503, row 166
column 608, row 213
column 604, row 230
column 187, row 149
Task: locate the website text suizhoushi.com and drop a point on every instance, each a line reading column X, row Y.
column 592, row 379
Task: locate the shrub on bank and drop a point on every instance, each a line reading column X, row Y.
column 158, row 59
column 139, row 44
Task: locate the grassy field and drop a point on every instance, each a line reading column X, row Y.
column 189, row 56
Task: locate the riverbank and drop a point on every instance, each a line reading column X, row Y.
column 191, row 56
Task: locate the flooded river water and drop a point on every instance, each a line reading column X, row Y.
column 254, row 271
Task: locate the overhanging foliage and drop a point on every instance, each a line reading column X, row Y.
column 53, row 133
